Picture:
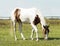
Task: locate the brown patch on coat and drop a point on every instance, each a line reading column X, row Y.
column 17, row 15
column 36, row 20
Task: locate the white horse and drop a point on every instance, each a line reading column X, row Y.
column 31, row 15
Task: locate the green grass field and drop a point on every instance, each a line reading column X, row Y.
column 7, row 40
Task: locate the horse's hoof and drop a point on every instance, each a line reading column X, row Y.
column 15, row 39
column 23, row 38
column 36, row 39
column 31, row 38
column 45, row 38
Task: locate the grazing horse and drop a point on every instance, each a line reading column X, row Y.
column 31, row 15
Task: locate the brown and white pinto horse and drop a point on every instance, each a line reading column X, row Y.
column 31, row 15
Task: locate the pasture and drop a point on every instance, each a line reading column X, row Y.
column 7, row 40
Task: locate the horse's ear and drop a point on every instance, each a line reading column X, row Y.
column 46, row 26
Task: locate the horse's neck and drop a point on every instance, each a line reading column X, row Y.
column 43, row 22
column 41, row 18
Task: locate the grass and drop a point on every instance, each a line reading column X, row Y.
column 7, row 40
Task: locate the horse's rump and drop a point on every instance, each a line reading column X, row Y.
column 17, row 14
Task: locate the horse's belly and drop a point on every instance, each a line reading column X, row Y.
column 25, row 20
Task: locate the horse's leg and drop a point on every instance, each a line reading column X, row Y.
column 20, row 29
column 32, row 33
column 35, row 28
column 14, row 24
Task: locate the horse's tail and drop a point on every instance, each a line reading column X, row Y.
column 12, row 19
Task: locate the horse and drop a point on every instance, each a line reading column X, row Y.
column 31, row 15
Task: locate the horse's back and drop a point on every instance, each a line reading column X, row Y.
column 28, row 14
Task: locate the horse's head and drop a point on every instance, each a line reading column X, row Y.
column 46, row 31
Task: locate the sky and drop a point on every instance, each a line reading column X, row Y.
column 47, row 7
